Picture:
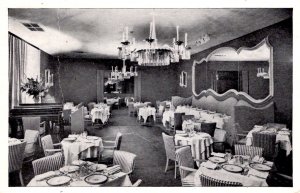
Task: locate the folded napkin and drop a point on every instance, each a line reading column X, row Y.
column 268, row 163
column 218, row 154
column 45, row 175
column 258, row 159
column 114, row 169
column 259, row 174
column 209, row 165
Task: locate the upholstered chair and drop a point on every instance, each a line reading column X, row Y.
column 106, row 156
column 31, row 138
column 178, row 121
column 267, row 141
column 170, row 149
column 247, row 150
column 49, row 163
column 49, row 146
column 186, row 165
column 219, row 139
column 15, row 158
column 34, row 123
column 126, row 160
column 208, row 128
column 209, row 181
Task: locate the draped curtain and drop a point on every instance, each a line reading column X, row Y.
column 17, row 67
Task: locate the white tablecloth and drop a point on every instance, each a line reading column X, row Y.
column 188, row 124
column 167, row 116
column 100, row 113
column 80, row 182
column 112, row 101
column 145, row 112
column 282, row 139
column 87, row 148
column 248, row 181
column 201, row 144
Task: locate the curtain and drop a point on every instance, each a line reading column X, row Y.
column 17, row 67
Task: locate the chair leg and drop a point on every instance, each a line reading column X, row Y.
column 21, row 177
column 175, row 169
column 167, row 165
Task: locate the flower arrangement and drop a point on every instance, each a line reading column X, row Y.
column 33, row 88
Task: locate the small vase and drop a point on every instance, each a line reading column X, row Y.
column 36, row 99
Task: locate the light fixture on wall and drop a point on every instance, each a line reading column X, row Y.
column 48, row 78
column 262, row 73
column 116, row 75
column 151, row 54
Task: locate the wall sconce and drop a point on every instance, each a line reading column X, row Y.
column 48, row 78
column 261, row 73
column 183, row 79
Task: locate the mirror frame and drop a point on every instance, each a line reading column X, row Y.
column 243, row 94
column 183, row 79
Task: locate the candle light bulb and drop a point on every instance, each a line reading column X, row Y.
column 177, row 32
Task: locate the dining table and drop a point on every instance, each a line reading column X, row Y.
column 201, row 143
column 72, row 176
column 77, row 147
column 282, row 136
column 145, row 112
column 101, row 112
column 248, row 173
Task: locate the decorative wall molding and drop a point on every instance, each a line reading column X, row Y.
column 264, row 43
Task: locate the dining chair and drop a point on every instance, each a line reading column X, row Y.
column 126, row 160
column 267, row 141
column 49, row 163
column 67, row 116
column 131, row 109
column 160, row 112
column 34, row 123
column 219, row 139
column 77, row 121
column 178, row 121
column 187, row 117
column 207, row 181
column 31, row 138
column 106, row 156
column 90, row 106
column 186, row 165
column 170, row 149
column 247, row 150
column 49, row 146
column 15, row 158
column 209, row 128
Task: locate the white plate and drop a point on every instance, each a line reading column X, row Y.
column 232, row 168
column 260, row 167
column 98, row 167
column 96, row 179
column 69, row 169
column 217, row 159
column 58, row 180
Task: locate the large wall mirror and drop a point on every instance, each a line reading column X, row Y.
column 246, row 71
column 121, row 87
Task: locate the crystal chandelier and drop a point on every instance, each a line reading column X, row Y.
column 151, row 54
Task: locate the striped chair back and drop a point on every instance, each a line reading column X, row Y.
column 184, row 158
column 208, row 181
column 247, row 150
column 169, row 146
column 49, row 163
column 15, row 156
column 118, row 141
column 126, row 160
column 178, row 121
column 32, row 123
column 209, row 128
column 267, row 141
column 47, row 143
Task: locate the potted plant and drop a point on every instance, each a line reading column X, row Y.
column 34, row 88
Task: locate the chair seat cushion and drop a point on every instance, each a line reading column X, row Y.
column 188, row 180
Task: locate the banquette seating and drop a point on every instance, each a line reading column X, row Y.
column 244, row 114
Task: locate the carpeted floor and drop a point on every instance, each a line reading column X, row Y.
column 143, row 140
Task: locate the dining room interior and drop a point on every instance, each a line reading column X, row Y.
column 150, row 97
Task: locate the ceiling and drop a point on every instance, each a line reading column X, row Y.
column 96, row 33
